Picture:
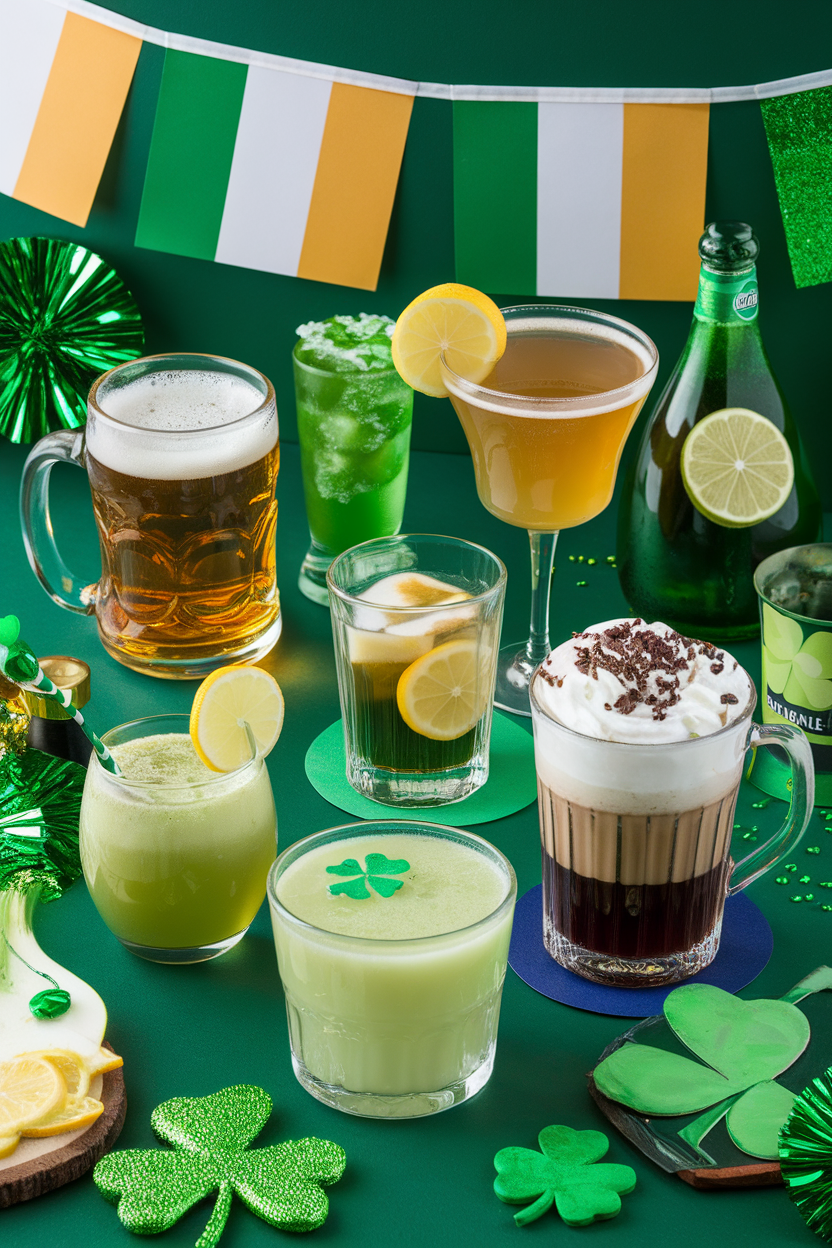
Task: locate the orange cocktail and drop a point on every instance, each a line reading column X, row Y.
column 546, row 430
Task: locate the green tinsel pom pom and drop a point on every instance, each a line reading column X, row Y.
column 40, row 801
column 806, row 1155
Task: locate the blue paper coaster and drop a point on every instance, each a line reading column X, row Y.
column 744, row 950
column 511, row 784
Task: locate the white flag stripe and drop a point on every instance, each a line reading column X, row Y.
column 30, row 34
column 273, row 170
column 579, row 162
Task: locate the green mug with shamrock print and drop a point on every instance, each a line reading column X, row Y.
column 795, row 591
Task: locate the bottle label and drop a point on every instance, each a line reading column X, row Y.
column 727, row 298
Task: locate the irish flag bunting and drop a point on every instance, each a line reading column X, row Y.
column 272, row 170
column 63, row 83
column 596, row 200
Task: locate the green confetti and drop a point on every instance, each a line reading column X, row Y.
column 813, row 849
column 761, row 805
column 825, row 907
column 611, row 559
column 790, row 866
column 782, row 879
column 809, row 897
column 211, row 1135
column 748, row 836
column 805, row 879
column 592, row 562
column 581, row 584
column 797, row 897
column 571, row 558
column 825, row 884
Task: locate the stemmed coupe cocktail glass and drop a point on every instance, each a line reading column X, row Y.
column 546, row 429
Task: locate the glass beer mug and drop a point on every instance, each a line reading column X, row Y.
column 182, row 456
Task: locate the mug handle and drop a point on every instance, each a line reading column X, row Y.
column 794, row 742
column 66, row 446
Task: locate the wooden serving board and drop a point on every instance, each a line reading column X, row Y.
column 39, row 1165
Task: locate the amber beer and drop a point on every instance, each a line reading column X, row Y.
column 182, row 463
column 545, row 470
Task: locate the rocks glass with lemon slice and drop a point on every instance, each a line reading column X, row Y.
column 416, row 623
column 547, row 397
column 177, row 847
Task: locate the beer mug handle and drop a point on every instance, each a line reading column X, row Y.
column 801, row 802
column 61, row 584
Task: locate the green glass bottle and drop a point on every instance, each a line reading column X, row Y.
column 674, row 564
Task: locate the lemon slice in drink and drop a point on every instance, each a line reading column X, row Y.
column 737, row 467
column 443, row 694
column 458, row 321
column 224, row 703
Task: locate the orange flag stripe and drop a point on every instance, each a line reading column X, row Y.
column 662, row 199
column 355, row 182
column 77, row 118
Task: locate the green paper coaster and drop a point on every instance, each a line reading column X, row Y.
column 511, row 783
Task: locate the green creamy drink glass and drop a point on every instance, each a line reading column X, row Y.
column 175, row 856
column 392, row 940
column 354, row 413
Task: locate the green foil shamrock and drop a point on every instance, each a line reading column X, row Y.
column 806, row 1155
column 745, row 1045
column 377, row 867
column 800, row 671
column 210, row 1135
column 563, row 1174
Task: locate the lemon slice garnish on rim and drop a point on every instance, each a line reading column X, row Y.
column 444, row 694
column 737, row 467
column 224, row 703
column 460, row 322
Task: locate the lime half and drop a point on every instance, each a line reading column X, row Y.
column 737, row 467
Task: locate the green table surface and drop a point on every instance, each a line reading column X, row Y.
column 192, row 1030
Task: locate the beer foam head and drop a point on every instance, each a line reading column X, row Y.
column 628, row 683
column 177, row 425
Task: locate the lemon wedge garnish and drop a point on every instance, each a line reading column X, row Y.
column 224, row 703
column 445, row 693
column 456, row 321
column 737, row 467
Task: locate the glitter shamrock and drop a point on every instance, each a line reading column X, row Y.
column 375, row 872
column 210, row 1135
column 562, row 1174
column 799, row 670
column 806, row 1155
column 745, row 1045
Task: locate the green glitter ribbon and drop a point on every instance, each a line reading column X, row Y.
column 806, row 1155
column 65, row 317
column 798, row 128
column 210, row 1135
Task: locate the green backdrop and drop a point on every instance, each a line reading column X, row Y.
column 199, row 306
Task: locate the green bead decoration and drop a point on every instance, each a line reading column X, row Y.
column 65, row 317
column 51, row 1003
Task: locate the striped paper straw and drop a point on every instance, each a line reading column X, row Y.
column 43, row 685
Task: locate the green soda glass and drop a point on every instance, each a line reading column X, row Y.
column 354, row 414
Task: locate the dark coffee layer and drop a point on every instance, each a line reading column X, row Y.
column 633, row 921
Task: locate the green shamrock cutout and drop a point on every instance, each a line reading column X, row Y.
column 800, row 671
column 562, row 1174
column 376, row 869
column 745, row 1045
column 210, row 1135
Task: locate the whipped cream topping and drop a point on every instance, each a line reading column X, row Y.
column 628, row 681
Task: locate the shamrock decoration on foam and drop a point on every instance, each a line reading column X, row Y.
column 800, row 671
column 562, row 1174
column 282, row 1184
column 745, row 1044
column 377, row 868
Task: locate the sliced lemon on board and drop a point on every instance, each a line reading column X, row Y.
column 73, row 1068
column 224, row 703
column 737, row 467
column 31, row 1088
column 458, row 321
column 76, row 1113
column 444, row 694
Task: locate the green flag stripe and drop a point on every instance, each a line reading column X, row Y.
column 495, row 196
column 190, row 154
column 798, row 128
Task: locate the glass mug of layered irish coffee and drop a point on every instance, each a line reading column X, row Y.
column 640, row 737
column 182, row 457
